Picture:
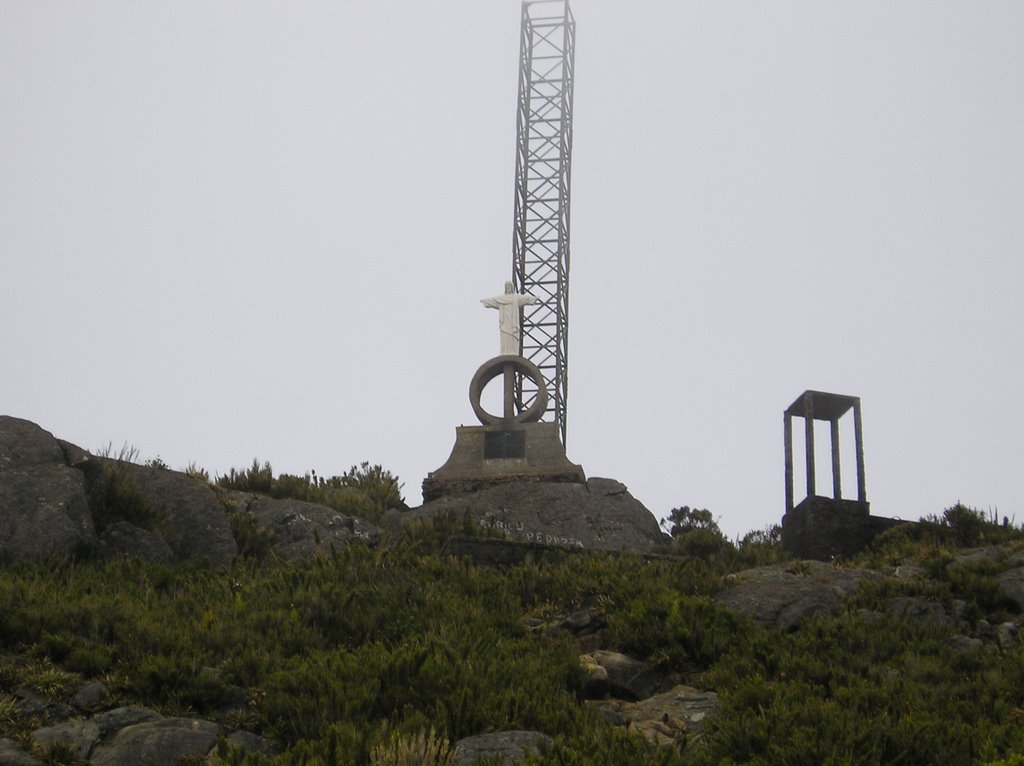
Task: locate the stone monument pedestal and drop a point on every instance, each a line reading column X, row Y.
column 493, row 454
column 514, row 446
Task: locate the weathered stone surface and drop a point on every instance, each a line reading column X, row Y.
column 538, row 455
column 128, row 735
column 124, row 540
column 600, row 514
column 302, row 529
column 123, row 717
column 12, row 755
column 74, row 737
column 91, row 468
column 44, row 509
column 195, row 524
column 918, row 609
column 785, row 594
column 506, row 747
column 964, row 644
column 23, row 444
column 91, row 696
column 30, row 703
column 246, row 740
column 618, row 675
column 165, row 742
column 909, row 572
column 596, row 685
column 1006, row 635
column 824, row 528
column 975, row 557
column 666, row 717
column 491, row 551
column 578, row 621
column 1012, row 583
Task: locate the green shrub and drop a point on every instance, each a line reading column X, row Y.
column 695, row 533
column 422, row 748
column 367, row 491
column 124, row 501
column 355, row 658
column 379, row 485
column 254, row 541
column 969, row 527
column 762, row 547
column 198, row 473
column 257, row 478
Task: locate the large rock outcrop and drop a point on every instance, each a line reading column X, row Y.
column 53, row 502
column 785, row 594
column 192, row 520
column 126, row 736
column 10, row 755
column 505, row 747
column 57, row 499
column 167, row 742
column 600, row 514
column 44, row 506
column 665, row 718
column 124, row 540
column 302, row 529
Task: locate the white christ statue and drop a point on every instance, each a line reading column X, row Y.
column 509, row 305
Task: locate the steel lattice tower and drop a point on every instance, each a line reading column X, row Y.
column 540, row 240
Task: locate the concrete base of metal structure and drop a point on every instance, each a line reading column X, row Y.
column 824, row 528
column 487, row 455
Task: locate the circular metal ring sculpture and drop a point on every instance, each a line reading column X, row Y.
column 508, row 365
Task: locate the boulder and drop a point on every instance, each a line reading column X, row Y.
column 505, row 747
column 964, row 644
column 586, row 626
column 596, row 684
column 91, row 468
column 74, row 738
column 918, row 609
column 909, row 572
column 124, row 540
column 12, row 755
column 1006, row 635
column 615, row 674
column 665, row 718
column 1012, row 583
column 123, row 717
column 30, row 703
column 302, row 529
column 785, row 594
column 44, row 508
column 166, row 742
column 600, row 514
column 975, row 557
column 193, row 521
column 249, row 742
column 128, row 735
column 91, row 696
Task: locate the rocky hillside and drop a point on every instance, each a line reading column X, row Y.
column 57, row 499
column 168, row 621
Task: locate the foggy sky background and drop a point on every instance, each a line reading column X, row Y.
column 233, row 230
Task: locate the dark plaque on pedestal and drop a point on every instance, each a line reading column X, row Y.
column 504, row 444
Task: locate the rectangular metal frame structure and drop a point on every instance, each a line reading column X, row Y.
column 540, row 240
column 818, row 405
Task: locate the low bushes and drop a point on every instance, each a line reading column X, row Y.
column 379, row 657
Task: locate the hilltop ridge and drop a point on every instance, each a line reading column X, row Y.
column 333, row 639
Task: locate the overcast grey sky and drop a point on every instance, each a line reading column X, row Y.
column 262, row 229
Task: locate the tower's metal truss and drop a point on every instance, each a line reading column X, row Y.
column 540, row 240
